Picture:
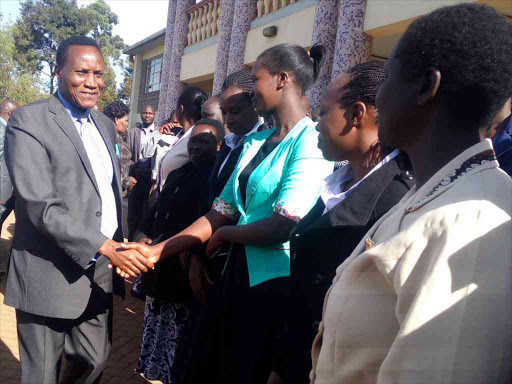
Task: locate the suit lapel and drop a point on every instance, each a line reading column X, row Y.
column 65, row 123
column 253, row 146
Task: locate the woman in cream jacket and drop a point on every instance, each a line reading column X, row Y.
column 426, row 297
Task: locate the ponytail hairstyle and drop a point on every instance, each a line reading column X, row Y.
column 192, row 99
column 295, row 60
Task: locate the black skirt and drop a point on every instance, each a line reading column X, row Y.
column 233, row 338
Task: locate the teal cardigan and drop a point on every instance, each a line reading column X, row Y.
column 287, row 181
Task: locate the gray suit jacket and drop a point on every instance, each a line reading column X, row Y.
column 58, row 213
column 5, row 180
column 133, row 140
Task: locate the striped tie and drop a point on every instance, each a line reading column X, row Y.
column 102, row 167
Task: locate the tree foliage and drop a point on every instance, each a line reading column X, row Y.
column 15, row 83
column 44, row 24
column 125, row 90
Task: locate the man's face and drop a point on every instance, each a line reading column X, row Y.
column 148, row 115
column 211, row 110
column 81, row 77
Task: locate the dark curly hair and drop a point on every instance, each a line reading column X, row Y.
column 116, row 109
column 62, row 51
column 295, row 60
column 192, row 99
column 471, row 45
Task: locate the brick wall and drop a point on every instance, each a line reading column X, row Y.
column 150, row 97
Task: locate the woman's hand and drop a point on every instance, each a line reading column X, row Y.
column 151, row 252
column 199, row 278
column 215, row 242
column 145, row 240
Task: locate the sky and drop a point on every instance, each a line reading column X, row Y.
column 138, row 19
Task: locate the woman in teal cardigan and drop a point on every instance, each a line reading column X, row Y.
column 275, row 183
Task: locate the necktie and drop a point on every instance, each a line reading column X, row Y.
column 102, row 167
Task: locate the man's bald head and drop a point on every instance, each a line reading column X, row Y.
column 7, row 107
column 211, row 109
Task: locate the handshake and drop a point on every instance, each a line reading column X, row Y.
column 131, row 259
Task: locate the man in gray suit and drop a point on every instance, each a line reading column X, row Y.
column 62, row 161
column 138, row 199
column 7, row 107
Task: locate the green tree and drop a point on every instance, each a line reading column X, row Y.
column 14, row 83
column 125, row 89
column 44, row 24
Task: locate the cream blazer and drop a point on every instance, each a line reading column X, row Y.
column 426, row 297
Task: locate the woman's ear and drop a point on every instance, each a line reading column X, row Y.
column 282, row 79
column 358, row 112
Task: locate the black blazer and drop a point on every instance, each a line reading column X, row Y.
column 320, row 243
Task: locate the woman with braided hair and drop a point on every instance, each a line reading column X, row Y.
column 275, row 183
column 353, row 198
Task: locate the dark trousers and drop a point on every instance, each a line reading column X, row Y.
column 138, row 200
column 85, row 343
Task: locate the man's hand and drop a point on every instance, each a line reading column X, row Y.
column 133, row 181
column 150, row 252
column 128, row 261
column 166, row 129
column 199, row 278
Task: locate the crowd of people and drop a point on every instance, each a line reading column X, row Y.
column 365, row 241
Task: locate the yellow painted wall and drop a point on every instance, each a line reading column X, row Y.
column 134, row 99
column 157, row 51
column 198, row 65
column 381, row 13
column 296, row 28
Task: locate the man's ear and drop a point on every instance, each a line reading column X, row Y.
column 429, row 85
column 116, row 120
column 58, row 70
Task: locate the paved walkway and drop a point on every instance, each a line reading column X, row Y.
column 128, row 318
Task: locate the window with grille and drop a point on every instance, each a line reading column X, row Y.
column 153, row 77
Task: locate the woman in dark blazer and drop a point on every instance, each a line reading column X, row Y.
column 353, row 198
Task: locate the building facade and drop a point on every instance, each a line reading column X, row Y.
column 205, row 41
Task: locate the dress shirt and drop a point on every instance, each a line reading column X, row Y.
column 156, row 148
column 146, row 135
column 101, row 163
column 176, row 157
column 233, row 141
column 332, row 192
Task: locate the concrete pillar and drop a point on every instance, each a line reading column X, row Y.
column 179, row 40
column 353, row 46
column 164, row 110
column 245, row 13
column 324, row 32
column 223, row 42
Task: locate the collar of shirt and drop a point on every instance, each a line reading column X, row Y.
column 503, row 141
column 233, row 141
column 332, row 192
column 149, row 129
column 3, row 122
column 74, row 112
